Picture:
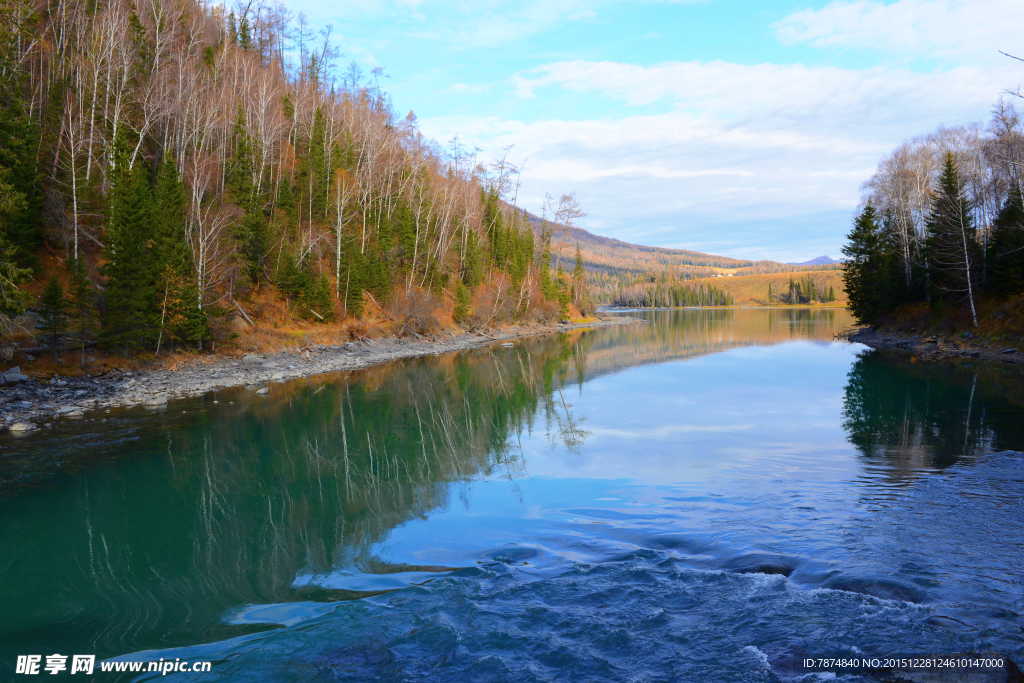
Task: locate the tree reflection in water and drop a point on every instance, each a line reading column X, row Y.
column 908, row 415
column 171, row 522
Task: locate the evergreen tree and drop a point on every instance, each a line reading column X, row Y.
column 472, row 266
column 292, row 277
column 250, row 231
column 1008, row 247
column 317, row 299
column 131, row 311
column 352, row 279
column 867, row 276
column 319, row 168
column 953, row 252
column 53, row 320
column 81, row 303
column 170, row 243
column 286, row 205
column 461, row 311
column 21, row 187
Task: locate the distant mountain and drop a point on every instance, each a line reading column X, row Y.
column 817, row 261
column 612, row 264
column 606, row 254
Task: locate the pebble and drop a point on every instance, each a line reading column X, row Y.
column 26, row 401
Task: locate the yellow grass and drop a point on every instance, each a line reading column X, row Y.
column 752, row 290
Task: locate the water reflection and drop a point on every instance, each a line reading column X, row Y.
column 226, row 510
column 909, row 416
column 671, row 335
column 185, row 528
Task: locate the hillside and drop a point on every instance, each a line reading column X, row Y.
column 612, row 265
column 173, row 176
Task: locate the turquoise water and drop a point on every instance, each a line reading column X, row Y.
column 700, row 498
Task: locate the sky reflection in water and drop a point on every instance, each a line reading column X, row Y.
column 613, row 503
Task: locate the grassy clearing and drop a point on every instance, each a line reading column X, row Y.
column 752, row 290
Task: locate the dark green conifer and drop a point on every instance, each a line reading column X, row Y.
column 53, row 319
column 461, row 311
column 250, row 231
column 867, row 274
column 131, row 312
column 317, row 299
column 1007, row 247
column 953, row 253
column 319, row 168
column 170, row 243
column 81, row 303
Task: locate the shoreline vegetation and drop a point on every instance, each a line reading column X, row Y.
column 29, row 404
column 808, row 288
column 937, row 248
column 178, row 177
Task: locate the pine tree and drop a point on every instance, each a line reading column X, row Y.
column 953, row 252
column 170, row 245
column 292, row 277
column 319, row 169
column 53, row 320
column 250, row 231
column 1008, row 247
column 181, row 317
column 317, row 299
column 867, row 275
column 472, row 266
column 286, row 205
column 131, row 311
column 81, row 303
column 21, row 186
column 461, row 311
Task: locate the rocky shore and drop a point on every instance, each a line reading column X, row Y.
column 938, row 348
column 27, row 404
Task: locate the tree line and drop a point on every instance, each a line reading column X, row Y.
column 802, row 291
column 942, row 223
column 672, row 295
column 177, row 158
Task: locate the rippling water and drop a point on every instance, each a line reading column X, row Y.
column 701, row 498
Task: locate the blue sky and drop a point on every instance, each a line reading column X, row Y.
column 736, row 127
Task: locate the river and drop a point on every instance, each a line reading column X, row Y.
column 707, row 497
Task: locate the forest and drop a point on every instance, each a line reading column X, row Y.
column 165, row 165
column 940, row 236
column 666, row 295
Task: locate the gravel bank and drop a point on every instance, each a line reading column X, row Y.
column 938, row 348
column 31, row 404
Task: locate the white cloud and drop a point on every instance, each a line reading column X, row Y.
column 738, row 149
column 976, row 29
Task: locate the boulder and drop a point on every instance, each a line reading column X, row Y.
column 251, row 359
column 13, row 376
column 22, row 427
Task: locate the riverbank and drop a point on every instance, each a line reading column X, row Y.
column 28, row 404
column 936, row 347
